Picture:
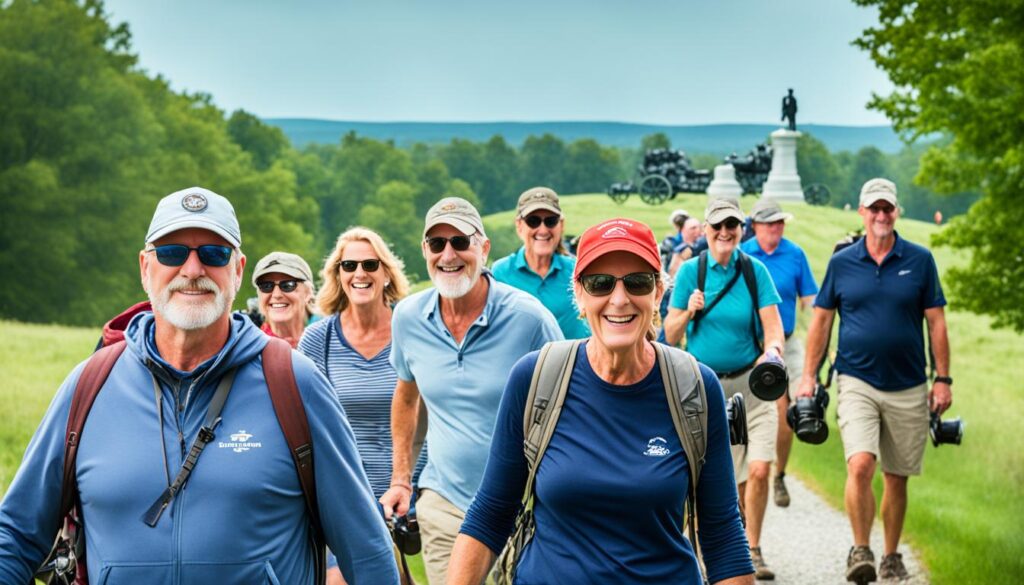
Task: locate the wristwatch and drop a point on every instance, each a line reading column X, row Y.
column 944, row 380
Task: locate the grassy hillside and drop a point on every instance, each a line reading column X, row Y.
column 962, row 513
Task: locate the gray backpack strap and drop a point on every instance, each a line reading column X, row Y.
column 687, row 399
column 548, row 388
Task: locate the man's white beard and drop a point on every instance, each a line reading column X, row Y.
column 455, row 288
column 189, row 316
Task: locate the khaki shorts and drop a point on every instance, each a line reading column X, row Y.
column 892, row 426
column 439, row 522
column 762, row 427
column 794, row 357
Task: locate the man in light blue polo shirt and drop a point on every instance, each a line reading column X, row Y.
column 787, row 264
column 542, row 266
column 453, row 346
column 724, row 330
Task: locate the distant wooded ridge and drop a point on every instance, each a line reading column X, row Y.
column 710, row 138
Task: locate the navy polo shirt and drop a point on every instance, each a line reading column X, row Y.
column 881, row 311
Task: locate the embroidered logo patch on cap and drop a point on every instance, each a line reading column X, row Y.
column 448, row 207
column 194, row 202
column 615, row 232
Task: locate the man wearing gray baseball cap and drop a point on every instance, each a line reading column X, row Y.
column 186, row 472
column 453, row 345
column 883, row 288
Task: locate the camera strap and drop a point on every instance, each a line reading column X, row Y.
column 205, row 435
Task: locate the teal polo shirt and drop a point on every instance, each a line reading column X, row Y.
column 462, row 383
column 554, row 291
column 723, row 341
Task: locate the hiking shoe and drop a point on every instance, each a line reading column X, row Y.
column 761, row 570
column 781, row 493
column 860, row 565
column 892, row 567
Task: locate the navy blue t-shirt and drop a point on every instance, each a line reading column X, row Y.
column 611, row 487
column 881, row 312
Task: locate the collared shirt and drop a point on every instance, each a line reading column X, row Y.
column 462, row 383
column 791, row 274
column 554, row 290
column 881, row 312
column 723, row 340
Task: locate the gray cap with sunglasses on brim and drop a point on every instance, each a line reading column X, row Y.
column 537, row 199
column 768, row 211
column 195, row 207
column 878, row 189
column 456, row 212
column 721, row 209
column 285, row 263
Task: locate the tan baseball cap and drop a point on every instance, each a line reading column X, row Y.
column 285, row 263
column 537, row 198
column 456, row 212
column 878, row 189
column 720, row 209
column 768, row 211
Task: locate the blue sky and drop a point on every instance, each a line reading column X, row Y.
column 661, row 62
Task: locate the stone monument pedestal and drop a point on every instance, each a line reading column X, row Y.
column 725, row 185
column 783, row 181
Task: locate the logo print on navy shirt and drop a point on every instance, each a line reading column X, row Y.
column 656, row 447
column 904, row 272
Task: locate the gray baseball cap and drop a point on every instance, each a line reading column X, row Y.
column 291, row 264
column 768, row 211
column 195, row 207
column 878, row 189
column 720, row 209
column 456, row 212
column 536, row 198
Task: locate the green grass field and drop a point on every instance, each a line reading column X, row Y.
column 964, row 514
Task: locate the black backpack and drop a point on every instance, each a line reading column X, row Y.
column 745, row 267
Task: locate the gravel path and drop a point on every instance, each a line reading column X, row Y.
column 807, row 543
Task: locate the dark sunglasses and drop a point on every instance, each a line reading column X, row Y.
column 534, row 221
column 886, row 209
column 368, row 265
column 287, row 286
column 637, row 283
column 177, row 254
column 459, row 243
column 730, row 224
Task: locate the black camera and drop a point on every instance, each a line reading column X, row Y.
column 949, row 432
column 807, row 417
column 405, row 531
column 769, row 380
column 736, row 414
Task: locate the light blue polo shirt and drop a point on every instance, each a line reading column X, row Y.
column 723, row 341
column 791, row 274
column 462, row 384
column 554, row 291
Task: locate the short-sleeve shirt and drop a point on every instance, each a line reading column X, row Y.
column 724, row 340
column 461, row 383
column 553, row 290
column 791, row 274
column 881, row 312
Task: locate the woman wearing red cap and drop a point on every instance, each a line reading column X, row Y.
column 607, row 504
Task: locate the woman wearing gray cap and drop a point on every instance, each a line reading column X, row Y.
column 542, row 266
column 285, row 285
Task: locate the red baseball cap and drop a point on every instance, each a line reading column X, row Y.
column 620, row 234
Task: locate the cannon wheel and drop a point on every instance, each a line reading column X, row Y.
column 619, row 197
column 817, row 194
column 655, row 189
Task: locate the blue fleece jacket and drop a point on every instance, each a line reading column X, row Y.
column 241, row 517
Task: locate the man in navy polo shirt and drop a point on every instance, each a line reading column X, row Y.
column 791, row 273
column 883, row 287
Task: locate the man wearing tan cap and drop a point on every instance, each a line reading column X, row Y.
column 883, row 287
column 453, row 346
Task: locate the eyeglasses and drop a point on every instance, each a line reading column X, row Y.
column 637, row 283
column 886, row 209
column 287, row 286
column 177, row 254
column 459, row 243
column 730, row 223
column 368, row 265
column 534, row 221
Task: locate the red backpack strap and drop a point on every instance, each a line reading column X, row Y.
column 291, row 415
column 93, row 376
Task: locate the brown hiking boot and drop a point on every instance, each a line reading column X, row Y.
column 860, row 565
column 892, row 567
column 761, row 570
column 781, row 493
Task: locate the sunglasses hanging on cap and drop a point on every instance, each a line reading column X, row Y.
column 534, row 221
column 636, row 283
column 177, row 254
column 368, row 265
column 459, row 243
